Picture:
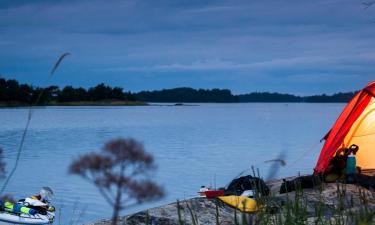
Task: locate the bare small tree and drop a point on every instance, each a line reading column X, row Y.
column 121, row 172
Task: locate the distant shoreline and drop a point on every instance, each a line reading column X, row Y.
column 13, row 94
column 80, row 103
column 120, row 103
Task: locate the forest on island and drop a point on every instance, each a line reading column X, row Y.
column 11, row 91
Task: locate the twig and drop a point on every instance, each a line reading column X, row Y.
column 80, row 215
column 75, row 204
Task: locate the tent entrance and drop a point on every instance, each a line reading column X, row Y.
column 362, row 133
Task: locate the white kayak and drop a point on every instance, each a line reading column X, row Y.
column 23, row 219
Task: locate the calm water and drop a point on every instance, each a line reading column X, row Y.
column 193, row 145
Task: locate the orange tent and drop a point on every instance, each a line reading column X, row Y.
column 355, row 125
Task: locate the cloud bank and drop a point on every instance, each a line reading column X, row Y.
column 290, row 46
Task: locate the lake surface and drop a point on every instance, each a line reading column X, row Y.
column 207, row 144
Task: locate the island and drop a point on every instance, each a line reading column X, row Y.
column 12, row 93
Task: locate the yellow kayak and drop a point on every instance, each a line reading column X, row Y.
column 244, row 204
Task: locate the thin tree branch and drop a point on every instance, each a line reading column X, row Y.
column 101, row 190
column 105, row 195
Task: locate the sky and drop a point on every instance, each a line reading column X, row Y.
column 290, row 46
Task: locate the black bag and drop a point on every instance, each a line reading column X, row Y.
column 241, row 184
column 300, row 183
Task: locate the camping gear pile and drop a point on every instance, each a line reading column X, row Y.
column 240, row 193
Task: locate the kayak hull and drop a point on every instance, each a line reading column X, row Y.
column 243, row 203
column 214, row 193
column 24, row 219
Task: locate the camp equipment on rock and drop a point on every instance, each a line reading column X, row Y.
column 350, row 168
column 239, row 185
column 351, row 164
column 355, row 125
column 244, row 204
column 248, row 193
column 332, row 177
column 214, row 193
column 338, row 163
column 308, row 181
column 202, row 190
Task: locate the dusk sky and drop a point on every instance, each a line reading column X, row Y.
column 299, row 47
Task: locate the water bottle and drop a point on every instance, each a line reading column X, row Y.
column 350, row 168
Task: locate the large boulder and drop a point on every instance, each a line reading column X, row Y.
column 202, row 210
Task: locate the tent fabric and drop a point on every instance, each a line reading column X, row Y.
column 355, row 125
column 362, row 134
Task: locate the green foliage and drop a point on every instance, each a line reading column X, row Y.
column 12, row 91
column 338, row 97
column 277, row 97
column 180, row 221
column 194, row 219
column 269, row 97
column 187, row 95
column 148, row 220
column 217, row 215
column 70, row 94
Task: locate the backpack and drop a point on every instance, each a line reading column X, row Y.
column 241, row 184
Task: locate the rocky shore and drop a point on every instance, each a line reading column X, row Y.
column 331, row 196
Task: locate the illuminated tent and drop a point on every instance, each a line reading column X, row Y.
column 355, row 125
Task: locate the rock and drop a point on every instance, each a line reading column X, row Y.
column 332, row 197
column 203, row 211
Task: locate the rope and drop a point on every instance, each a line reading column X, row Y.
column 304, row 154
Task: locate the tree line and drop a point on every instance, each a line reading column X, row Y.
column 186, row 94
column 12, row 91
column 277, row 97
column 191, row 95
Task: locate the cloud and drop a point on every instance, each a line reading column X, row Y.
column 220, row 65
column 164, row 42
column 273, row 64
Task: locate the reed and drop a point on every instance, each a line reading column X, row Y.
column 29, row 117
